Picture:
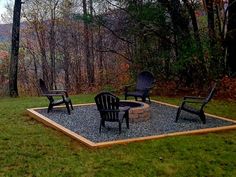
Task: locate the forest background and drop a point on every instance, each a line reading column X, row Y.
column 91, row 45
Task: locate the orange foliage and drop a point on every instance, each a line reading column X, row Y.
column 123, row 77
column 227, row 88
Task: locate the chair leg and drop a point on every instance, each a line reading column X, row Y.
column 68, row 108
column 127, row 119
column 119, row 127
column 100, row 127
column 202, row 117
column 103, row 123
column 49, row 107
column 143, row 99
column 149, row 100
column 71, row 105
column 136, row 99
column 177, row 115
column 125, row 97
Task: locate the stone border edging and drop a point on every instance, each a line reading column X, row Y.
column 32, row 113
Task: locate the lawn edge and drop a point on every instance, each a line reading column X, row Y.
column 48, row 122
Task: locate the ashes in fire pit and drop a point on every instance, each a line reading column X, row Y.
column 138, row 112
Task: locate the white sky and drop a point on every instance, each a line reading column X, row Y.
column 2, row 8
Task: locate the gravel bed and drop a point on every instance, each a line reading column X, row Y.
column 85, row 121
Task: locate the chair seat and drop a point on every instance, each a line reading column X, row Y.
column 121, row 116
column 124, row 108
column 60, row 101
column 190, row 109
column 136, row 93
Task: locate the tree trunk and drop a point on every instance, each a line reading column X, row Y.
column 90, row 73
column 180, row 23
column 231, row 38
column 41, row 41
column 91, row 43
column 13, row 89
column 40, row 36
column 66, row 68
column 100, row 56
column 77, row 67
column 52, row 46
column 195, row 28
column 211, row 31
column 211, row 21
column 86, row 45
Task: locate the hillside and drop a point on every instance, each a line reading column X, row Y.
column 5, row 32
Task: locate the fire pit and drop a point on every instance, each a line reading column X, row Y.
column 138, row 112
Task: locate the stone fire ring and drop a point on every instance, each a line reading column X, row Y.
column 138, row 112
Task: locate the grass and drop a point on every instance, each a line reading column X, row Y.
column 28, row 148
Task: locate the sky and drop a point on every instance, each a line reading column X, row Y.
column 2, row 8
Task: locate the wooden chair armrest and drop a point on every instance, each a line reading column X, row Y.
column 151, row 87
column 128, row 86
column 58, row 90
column 124, row 109
column 109, row 110
column 193, row 101
column 193, row 97
column 53, row 94
column 154, row 83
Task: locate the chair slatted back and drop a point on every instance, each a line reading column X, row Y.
column 44, row 89
column 106, row 102
column 211, row 94
column 145, row 80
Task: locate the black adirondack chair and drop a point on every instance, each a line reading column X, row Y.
column 110, row 110
column 145, row 82
column 50, row 94
column 202, row 101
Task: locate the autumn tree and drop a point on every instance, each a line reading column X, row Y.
column 13, row 89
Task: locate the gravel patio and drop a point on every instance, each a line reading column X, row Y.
column 84, row 120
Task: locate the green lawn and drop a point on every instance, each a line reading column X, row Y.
column 28, row 148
